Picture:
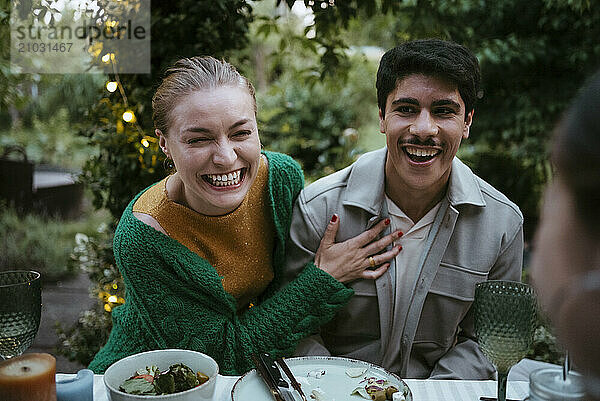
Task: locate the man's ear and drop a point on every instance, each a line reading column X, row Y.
column 468, row 122
column 381, row 122
column 162, row 142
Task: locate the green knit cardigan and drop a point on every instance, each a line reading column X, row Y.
column 175, row 299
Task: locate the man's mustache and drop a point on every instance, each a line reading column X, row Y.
column 419, row 142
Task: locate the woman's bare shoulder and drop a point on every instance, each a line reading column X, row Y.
column 151, row 221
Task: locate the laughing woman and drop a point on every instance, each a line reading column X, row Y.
column 201, row 251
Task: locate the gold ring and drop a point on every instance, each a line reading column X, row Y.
column 371, row 261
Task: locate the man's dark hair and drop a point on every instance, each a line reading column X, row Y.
column 433, row 57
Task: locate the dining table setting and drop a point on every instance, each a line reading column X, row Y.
column 424, row 390
column 505, row 314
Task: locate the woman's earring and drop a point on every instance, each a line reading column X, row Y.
column 168, row 165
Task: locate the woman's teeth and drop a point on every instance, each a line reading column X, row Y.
column 223, row 180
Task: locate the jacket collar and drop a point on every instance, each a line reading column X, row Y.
column 366, row 183
column 464, row 187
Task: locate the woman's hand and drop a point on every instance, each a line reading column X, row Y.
column 356, row 257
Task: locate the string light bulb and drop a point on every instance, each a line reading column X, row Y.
column 106, row 58
column 128, row 116
column 145, row 142
column 111, row 86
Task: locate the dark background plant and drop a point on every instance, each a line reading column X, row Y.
column 305, row 121
column 41, row 243
column 93, row 255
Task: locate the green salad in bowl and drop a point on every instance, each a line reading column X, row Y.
column 151, row 381
column 162, row 375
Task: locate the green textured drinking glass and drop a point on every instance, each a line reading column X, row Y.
column 505, row 315
column 20, row 310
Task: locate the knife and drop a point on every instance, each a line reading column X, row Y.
column 275, row 373
column 261, row 368
column 290, row 376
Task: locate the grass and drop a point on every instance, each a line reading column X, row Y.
column 42, row 243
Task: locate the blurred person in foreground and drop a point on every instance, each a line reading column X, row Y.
column 201, row 251
column 415, row 319
column 566, row 261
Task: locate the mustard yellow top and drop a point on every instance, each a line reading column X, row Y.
column 239, row 245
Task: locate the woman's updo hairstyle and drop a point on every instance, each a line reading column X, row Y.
column 192, row 74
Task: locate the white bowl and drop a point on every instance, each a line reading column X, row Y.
column 123, row 369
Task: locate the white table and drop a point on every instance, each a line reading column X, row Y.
column 422, row 390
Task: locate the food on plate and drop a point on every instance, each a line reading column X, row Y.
column 399, row 396
column 376, row 389
column 317, row 373
column 389, row 392
column 379, row 396
column 151, row 381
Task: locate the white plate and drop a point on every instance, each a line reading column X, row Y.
column 336, row 384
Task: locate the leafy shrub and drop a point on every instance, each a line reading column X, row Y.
column 39, row 243
column 93, row 255
column 310, row 125
column 521, row 179
column 53, row 141
column 83, row 340
column 319, row 123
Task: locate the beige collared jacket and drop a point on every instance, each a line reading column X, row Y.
column 477, row 235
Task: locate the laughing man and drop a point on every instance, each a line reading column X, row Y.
column 415, row 319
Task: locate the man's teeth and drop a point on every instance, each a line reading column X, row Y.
column 223, row 180
column 421, row 152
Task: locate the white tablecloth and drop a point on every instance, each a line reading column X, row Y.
column 422, row 390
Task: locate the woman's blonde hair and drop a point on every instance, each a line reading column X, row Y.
column 188, row 75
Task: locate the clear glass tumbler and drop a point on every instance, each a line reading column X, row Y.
column 20, row 310
column 549, row 384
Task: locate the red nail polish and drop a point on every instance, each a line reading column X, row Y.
column 400, row 234
column 334, row 218
column 399, row 248
column 387, row 222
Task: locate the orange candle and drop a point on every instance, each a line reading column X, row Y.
column 28, row 377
